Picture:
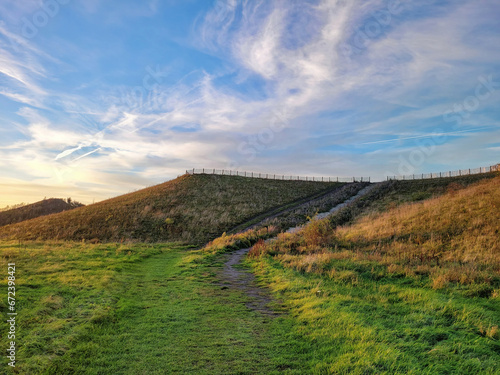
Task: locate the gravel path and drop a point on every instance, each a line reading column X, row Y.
column 322, row 215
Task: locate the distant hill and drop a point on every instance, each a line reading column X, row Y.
column 34, row 210
column 190, row 209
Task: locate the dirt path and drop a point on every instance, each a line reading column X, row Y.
column 235, row 277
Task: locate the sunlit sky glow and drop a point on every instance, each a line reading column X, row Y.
column 103, row 97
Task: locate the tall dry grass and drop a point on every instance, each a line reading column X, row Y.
column 449, row 239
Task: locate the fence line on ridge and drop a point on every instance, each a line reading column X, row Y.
column 416, row 176
column 457, row 173
column 272, row 176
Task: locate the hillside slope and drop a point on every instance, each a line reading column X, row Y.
column 453, row 238
column 34, row 210
column 413, row 290
column 191, row 209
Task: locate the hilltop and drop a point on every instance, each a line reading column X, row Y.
column 191, row 209
column 34, row 210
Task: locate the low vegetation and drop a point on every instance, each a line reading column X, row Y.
column 25, row 212
column 191, row 209
column 227, row 243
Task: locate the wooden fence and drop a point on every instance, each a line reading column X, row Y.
column 417, row 176
column 269, row 176
column 460, row 172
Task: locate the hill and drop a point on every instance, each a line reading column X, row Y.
column 413, row 289
column 450, row 238
column 191, row 209
column 34, row 210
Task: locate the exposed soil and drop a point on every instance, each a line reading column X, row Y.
column 238, row 278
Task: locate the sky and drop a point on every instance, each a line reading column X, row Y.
column 104, row 97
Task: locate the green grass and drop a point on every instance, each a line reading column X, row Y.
column 191, row 209
column 357, row 325
column 139, row 309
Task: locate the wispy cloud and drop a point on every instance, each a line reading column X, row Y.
column 255, row 64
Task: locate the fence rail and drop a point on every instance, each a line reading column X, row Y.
column 460, row 172
column 270, row 176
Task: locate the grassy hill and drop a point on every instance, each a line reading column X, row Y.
column 34, row 210
column 190, row 209
column 391, row 194
column 451, row 238
column 403, row 281
column 414, row 289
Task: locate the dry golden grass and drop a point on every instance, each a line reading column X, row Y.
column 459, row 228
column 451, row 239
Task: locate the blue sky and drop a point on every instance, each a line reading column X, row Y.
column 99, row 98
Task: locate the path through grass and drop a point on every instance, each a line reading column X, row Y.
column 157, row 313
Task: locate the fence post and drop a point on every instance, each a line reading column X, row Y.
column 275, row 177
column 252, row 174
column 469, row 171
